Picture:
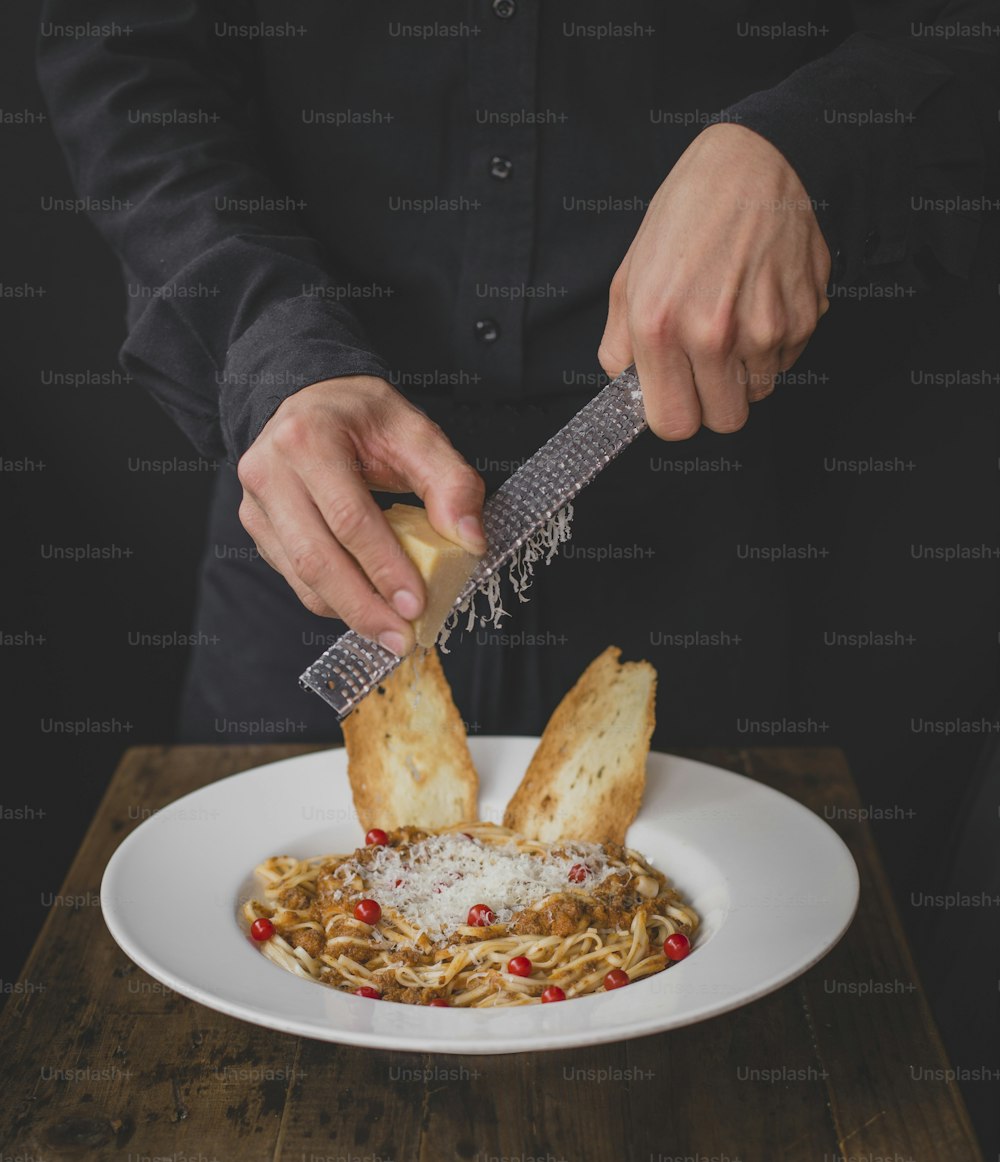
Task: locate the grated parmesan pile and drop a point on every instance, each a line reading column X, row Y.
column 433, row 882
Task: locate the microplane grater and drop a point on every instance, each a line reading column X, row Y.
column 519, row 509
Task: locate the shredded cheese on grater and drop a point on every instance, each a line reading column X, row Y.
column 545, row 543
column 433, row 882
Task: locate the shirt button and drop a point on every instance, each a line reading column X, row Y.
column 487, row 330
column 872, row 242
column 505, row 9
column 500, row 167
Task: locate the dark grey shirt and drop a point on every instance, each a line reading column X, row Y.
column 319, row 189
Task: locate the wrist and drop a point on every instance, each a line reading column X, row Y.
column 340, row 387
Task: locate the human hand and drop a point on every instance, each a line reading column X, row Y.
column 307, row 505
column 722, row 286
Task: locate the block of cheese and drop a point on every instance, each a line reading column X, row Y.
column 444, row 566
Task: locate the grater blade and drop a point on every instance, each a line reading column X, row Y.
column 517, row 512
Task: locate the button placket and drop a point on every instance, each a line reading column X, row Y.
column 488, row 327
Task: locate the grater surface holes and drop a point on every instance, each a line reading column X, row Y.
column 524, row 520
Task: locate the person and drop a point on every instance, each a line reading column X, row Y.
column 339, row 226
column 370, row 253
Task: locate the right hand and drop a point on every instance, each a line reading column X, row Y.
column 307, row 505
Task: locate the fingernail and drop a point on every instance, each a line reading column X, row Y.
column 470, row 529
column 406, row 604
column 393, row 641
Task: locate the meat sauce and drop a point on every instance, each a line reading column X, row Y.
column 611, row 904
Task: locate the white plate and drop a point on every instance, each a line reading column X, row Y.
column 775, row 888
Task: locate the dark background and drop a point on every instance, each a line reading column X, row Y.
column 85, row 436
column 67, row 658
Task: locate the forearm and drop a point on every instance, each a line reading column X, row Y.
column 241, row 305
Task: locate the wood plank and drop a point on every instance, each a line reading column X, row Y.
column 147, row 1071
column 98, row 1056
column 724, row 1100
column 867, row 1040
column 727, row 1066
column 429, row 1108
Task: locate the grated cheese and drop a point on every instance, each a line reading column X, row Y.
column 433, row 882
column 555, row 532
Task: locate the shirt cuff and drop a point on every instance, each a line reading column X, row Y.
column 851, row 125
column 292, row 344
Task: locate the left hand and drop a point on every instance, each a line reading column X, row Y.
column 722, row 286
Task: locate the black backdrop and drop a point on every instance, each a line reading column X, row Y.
column 73, row 430
column 69, row 408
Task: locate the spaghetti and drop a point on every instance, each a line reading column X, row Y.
column 454, row 908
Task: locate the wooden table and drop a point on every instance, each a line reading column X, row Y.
column 98, row 1060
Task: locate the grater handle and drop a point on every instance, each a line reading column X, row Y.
column 544, row 484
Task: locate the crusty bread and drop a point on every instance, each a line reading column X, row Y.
column 407, row 756
column 586, row 779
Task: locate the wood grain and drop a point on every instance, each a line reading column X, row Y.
column 98, row 1060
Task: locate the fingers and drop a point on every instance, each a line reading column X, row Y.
column 673, row 409
column 687, row 361
column 308, row 506
column 722, row 397
column 689, row 373
column 723, row 283
column 451, row 489
column 761, row 366
column 357, row 523
column 775, row 338
column 299, row 540
column 255, row 521
column 705, row 365
column 615, row 351
column 758, row 379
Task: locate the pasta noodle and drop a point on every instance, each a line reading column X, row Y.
column 575, row 910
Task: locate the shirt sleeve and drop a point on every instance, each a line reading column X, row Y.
column 893, row 135
column 239, row 306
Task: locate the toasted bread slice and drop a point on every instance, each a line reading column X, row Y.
column 586, row 779
column 445, row 567
column 407, row 755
